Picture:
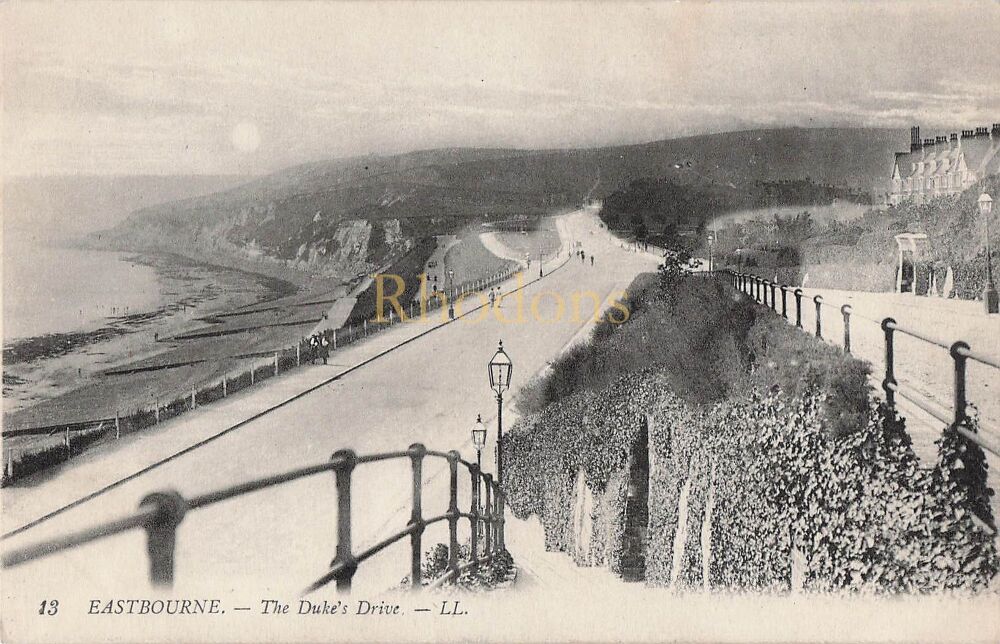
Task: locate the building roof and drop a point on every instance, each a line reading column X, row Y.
column 981, row 155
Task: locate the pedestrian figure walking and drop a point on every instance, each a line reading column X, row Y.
column 493, row 299
column 313, row 348
column 591, row 260
column 324, row 348
column 583, row 256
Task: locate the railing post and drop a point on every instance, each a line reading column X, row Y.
column 488, row 509
column 888, row 324
column 225, row 385
column 501, row 503
column 453, row 457
column 846, row 310
column 765, row 286
column 774, row 306
column 161, row 534
column 960, row 359
column 275, row 363
column 819, row 315
column 784, row 302
column 417, row 451
column 798, row 307
column 343, row 472
column 118, row 426
column 474, row 511
column 298, row 354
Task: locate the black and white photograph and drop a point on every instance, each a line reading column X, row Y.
column 554, row 321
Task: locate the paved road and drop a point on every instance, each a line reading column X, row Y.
column 279, row 540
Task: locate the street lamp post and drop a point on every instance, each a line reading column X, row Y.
column 990, row 300
column 451, row 294
column 711, row 249
column 479, row 441
column 500, row 371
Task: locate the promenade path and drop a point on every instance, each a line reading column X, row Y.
column 429, row 391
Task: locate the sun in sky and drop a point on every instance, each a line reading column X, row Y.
column 245, row 137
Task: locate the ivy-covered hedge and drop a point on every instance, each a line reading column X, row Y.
column 789, row 453
column 858, row 506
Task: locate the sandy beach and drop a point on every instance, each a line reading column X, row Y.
column 45, row 366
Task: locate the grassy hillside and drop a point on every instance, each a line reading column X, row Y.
column 322, row 216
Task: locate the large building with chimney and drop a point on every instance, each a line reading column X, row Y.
column 944, row 165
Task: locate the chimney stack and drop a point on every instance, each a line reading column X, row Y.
column 915, row 143
column 928, row 143
column 996, row 130
column 940, row 139
column 982, row 131
column 954, row 137
column 967, row 134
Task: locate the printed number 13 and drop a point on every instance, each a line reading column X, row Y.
column 49, row 607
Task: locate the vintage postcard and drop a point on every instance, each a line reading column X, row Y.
column 500, row 321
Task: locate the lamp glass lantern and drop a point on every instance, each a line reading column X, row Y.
column 985, row 204
column 500, row 371
column 479, row 434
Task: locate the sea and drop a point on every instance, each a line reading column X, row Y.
column 50, row 289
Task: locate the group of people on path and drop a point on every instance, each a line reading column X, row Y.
column 320, row 346
column 583, row 257
column 495, row 297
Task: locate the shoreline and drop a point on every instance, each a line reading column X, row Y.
column 43, row 367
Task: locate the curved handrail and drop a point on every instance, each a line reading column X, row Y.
column 160, row 514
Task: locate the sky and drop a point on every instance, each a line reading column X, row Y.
column 216, row 88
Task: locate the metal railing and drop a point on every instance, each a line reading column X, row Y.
column 160, row 513
column 59, row 441
column 960, row 353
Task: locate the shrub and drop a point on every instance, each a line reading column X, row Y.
column 483, row 577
